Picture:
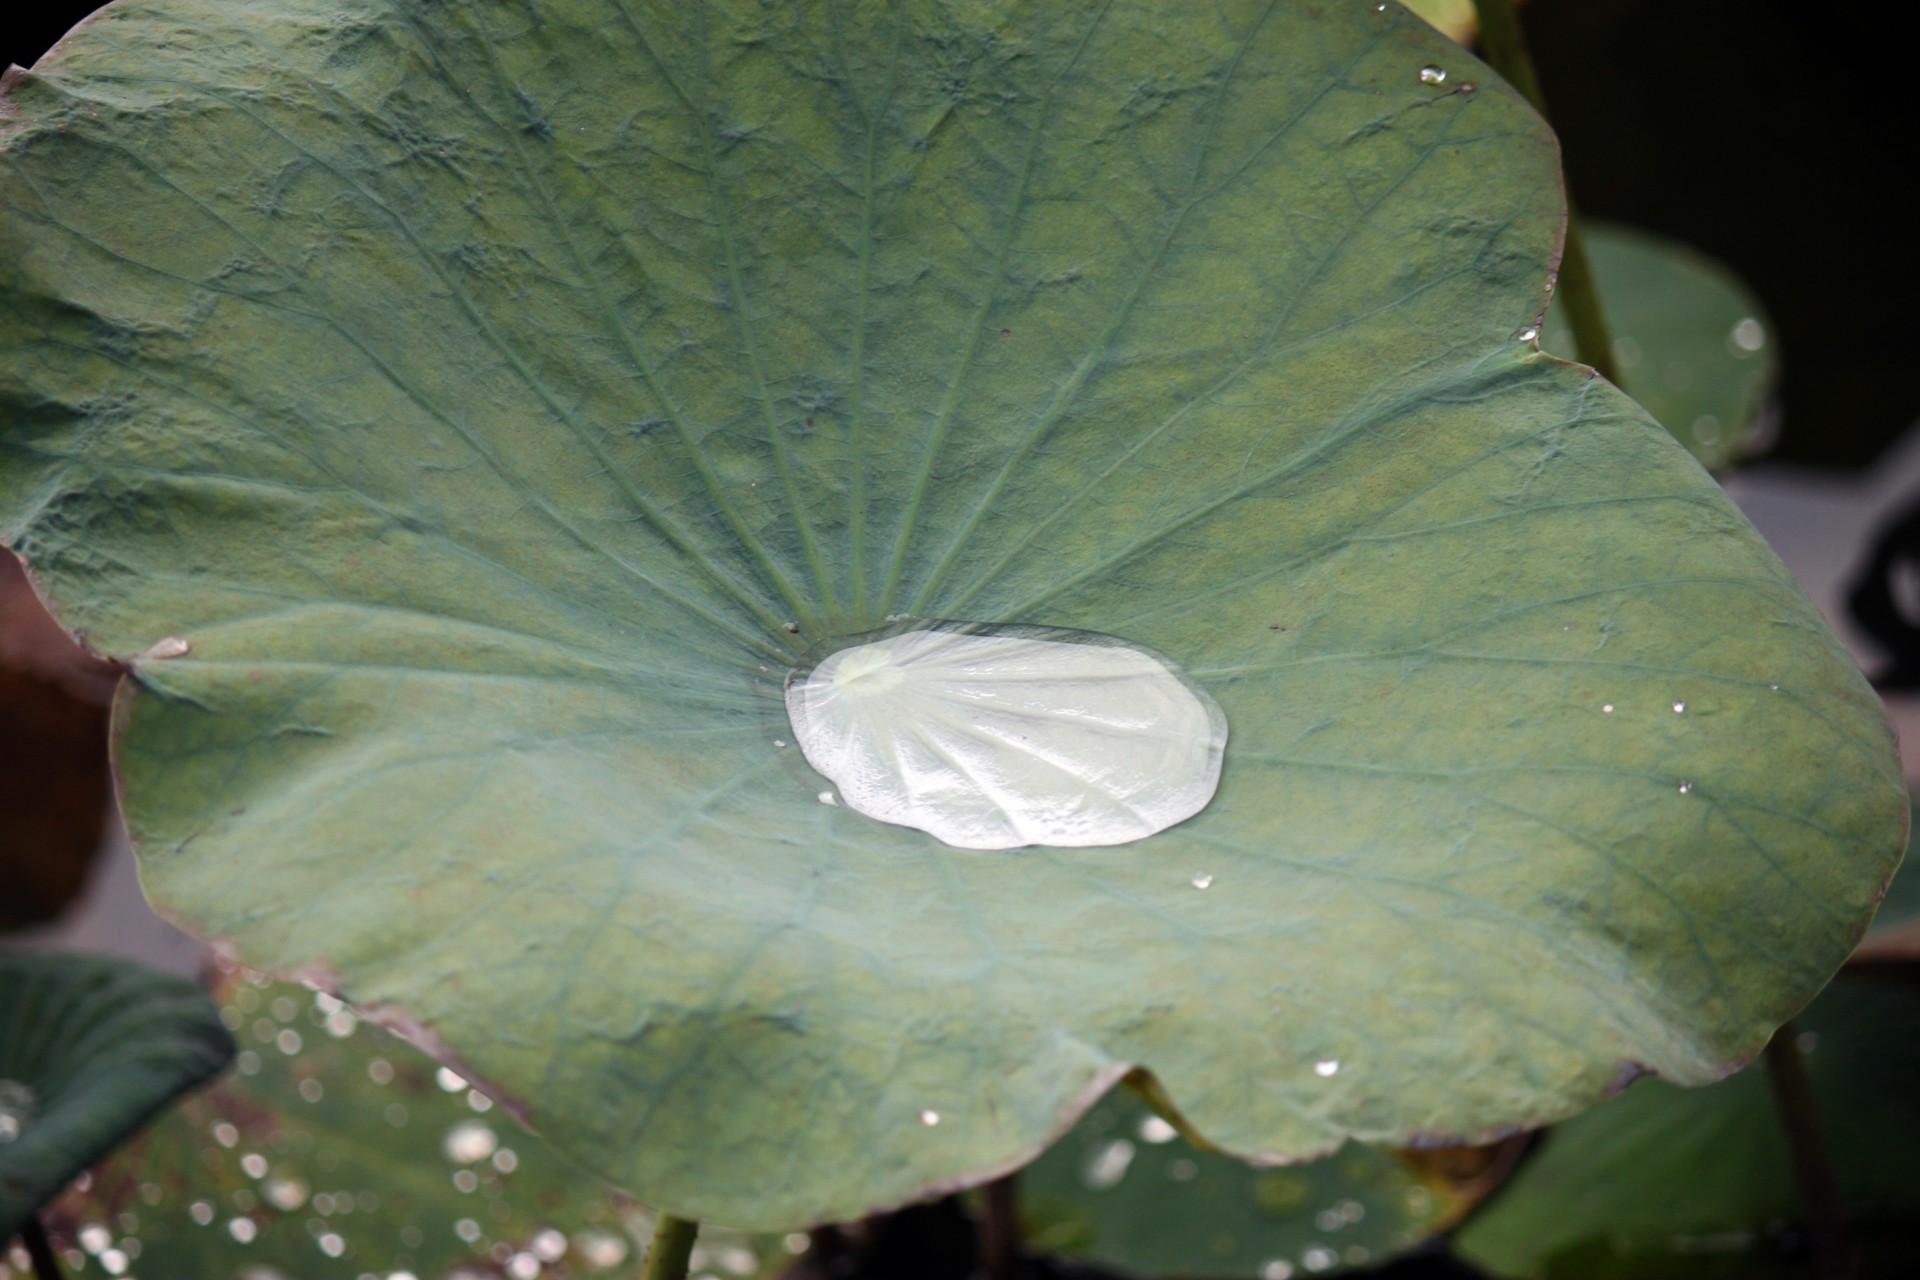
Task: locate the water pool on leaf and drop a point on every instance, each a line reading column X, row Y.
column 992, row 737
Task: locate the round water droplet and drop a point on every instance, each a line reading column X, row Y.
column 1432, row 75
column 991, row 737
column 1606, row 708
column 1277, row 1269
column 1679, row 708
column 1528, row 333
column 1685, row 788
column 929, row 1118
column 1749, row 336
column 1203, row 881
column 826, row 797
column 1326, row 1066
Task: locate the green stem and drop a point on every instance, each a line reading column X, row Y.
column 671, row 1249
column 1812, row 1163
column 1504, row 47
column 33, row 1234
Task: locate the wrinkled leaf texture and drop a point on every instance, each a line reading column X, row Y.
column 484, row 390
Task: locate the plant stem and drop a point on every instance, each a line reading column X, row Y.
column 1000, row 1230
column 1504, row 47
column 33, row 1234
column 672, row 1246
column 1812, row 1163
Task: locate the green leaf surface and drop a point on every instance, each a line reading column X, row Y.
column 1894, row 934
column 1124, row 1190
column 335, row 1151
column 90, row 1049
column 1664, row 1175
column 494, row 401
column 1691, row 341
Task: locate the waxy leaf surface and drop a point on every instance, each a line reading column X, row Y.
column 488, row 403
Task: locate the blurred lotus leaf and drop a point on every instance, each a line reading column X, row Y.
column 90, row 1049
column 335, row 1151
column 1692, row 343
column 1696, row 1182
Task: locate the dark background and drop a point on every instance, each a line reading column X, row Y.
column 1778, row 136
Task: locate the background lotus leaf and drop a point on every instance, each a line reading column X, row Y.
column 1691, row 341
column 90, row 1049
column 1124, row 1189
column 334, row 1151
column 463, row 415
column 1666, row 1181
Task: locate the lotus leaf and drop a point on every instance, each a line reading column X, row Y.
column 1692, row 342
column 90, row 1049
column 1694, row 1178
column 462, row 416
column 1124, row 1189
column 334, row 1151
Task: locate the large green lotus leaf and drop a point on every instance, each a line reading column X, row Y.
column 1696, row 1177
column 90, row 1049
column 1124, row 1189
column 335, row 1151
column 479, row 391
column 1691, row 341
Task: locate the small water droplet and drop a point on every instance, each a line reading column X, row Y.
column 1774, row 687
column 929, row 1118
column 1183, row 1171
column 506, row 1160
column 449, row 1080
column 1468, row 86
column 1326, row 1066
column 225, row 1134
column 1432, row 75
column 1319, row 1258
column 1277, row 1269
column 254, row 1164
column 1685, row 788
column 827, row 797
column 175, row 647
column 201, row 1212
column 467, row 1229
column 1749, row 336
column 1203, row 881
column 242, row 1230
column 1527, row 334
column 1679, row 708
column 779, row 742
column 1606, row 708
